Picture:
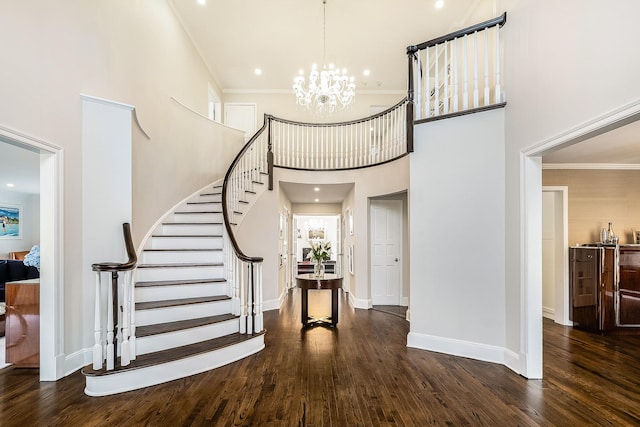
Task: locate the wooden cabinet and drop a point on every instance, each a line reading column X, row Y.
column 22, row 329
column 629, row 287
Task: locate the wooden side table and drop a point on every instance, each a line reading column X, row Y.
column 328, row 281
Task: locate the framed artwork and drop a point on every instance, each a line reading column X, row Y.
column 10, row 221
column 351, row 269
column 316, row 234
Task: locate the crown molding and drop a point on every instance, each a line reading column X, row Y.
column 591, row 166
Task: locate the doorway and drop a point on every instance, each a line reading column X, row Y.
column 51, row 249
column 386, row 251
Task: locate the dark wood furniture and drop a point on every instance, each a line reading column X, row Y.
column 306, row 267
column 328, row 281
column 604, row 288
column 22, row 332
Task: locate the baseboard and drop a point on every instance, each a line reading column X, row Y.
column 549, row 313
column 77, row 360
column 364, row 304
column 273, row 304
column 404, row 301
column 471, row 350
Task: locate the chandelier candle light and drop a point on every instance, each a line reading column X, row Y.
column 328, row 89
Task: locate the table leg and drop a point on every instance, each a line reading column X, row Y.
column 304, row 295
column 334, row 306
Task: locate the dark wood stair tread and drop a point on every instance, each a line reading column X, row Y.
column 177, row 282
column 203, row 203
column 198, row 212
column 162, row 328
column 188, row 235
column 203, row 264
column 184, row 250
column 178, row 302
column 191, row 223
column 164, row 356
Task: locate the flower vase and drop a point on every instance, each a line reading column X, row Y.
column 318, row 268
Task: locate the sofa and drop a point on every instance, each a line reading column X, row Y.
column 13, row 270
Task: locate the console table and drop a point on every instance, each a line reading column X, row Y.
column 328, row 281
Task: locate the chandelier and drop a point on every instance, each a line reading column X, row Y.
column 327, row 89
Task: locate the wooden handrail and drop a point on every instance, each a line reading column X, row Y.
column 500, row 20
column 352, row 122
column 131, row 253
column 225, row 212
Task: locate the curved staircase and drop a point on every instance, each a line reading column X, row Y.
column 185, row 321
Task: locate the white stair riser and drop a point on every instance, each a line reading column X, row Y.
column 179, row 273
column 182, row 312
column 195, row 217
column 190, row 229
column 207, row 198
column 183, row 337
column 169, row 292
column 160, row 242
column 200, row 207
column 181, row 257
column 104, row 385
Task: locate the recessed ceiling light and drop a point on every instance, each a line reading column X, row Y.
column 366, row 72
column 10, row 185
column 439, row 4
column 316, row 189
column 317, row 200
column 202, row 2
column 258, row 71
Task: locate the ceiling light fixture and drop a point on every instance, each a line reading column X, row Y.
column 316, row 189
column 10, row 185
column 439, row 4
column 258, row 71
column 328, row 89
column 202, row 2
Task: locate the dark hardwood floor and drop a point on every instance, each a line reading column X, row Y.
column 359, row 374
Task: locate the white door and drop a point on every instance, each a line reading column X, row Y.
column 241, row 116
column 386, row 244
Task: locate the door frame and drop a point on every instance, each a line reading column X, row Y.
column 401, row 297
column 561, row 291
column 52, row 359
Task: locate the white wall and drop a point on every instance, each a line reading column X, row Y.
column 132, row 52
column 30, row 222
column 566, row 63
column 457, row 236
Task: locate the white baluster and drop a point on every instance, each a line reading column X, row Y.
column 97, row 326
column 436, row 101
column 110, row 332
column 132, row 323
column 486, row 66
column 427, row 86
column 259, row 316
column 455, row 75
column 446, row 77
column 475, row 70
column 125, row 351
column 498, row 93
column 465, row 93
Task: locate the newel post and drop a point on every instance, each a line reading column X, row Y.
column 269, row 153
column 411, row 52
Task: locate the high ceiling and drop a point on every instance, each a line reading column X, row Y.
column 283, row 36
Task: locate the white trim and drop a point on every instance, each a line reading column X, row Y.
column 361, row 303
column 591, row 166
column 530, row 213
column 531, row 265
column 107, row 102
column 273, row 304
column 52, row 241
column 203, row 116
column 117, row 104
column 77, row 360
column 472, row 350
column 613, row 119
column 562, row 303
